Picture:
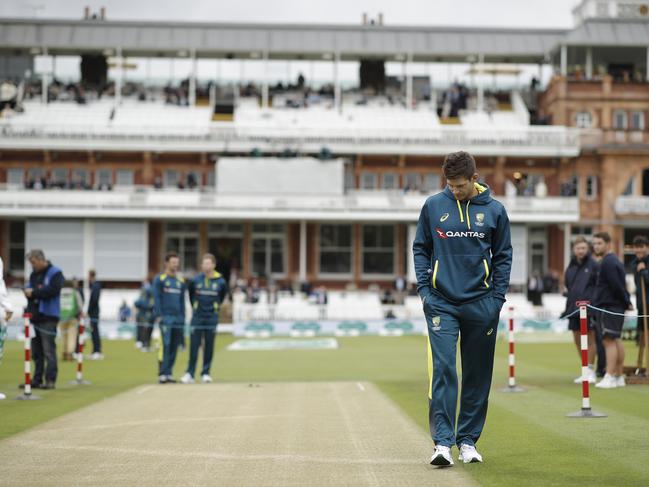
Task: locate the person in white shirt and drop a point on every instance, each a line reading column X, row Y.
column 5, row 306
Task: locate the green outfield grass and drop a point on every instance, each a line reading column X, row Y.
column 527, row 440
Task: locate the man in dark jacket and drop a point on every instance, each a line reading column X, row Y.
column 207, row 291
column 93, row 314
column 579, row 284
column 169, row 311
column 463, row 258
column 640, row 267
column 611, row 296
column 43, row 303
column 144, row 318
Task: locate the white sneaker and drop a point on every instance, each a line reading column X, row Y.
column 206, row 379
column 138, row 344
column 441, row 456
column 608, row 382
column 2, row 396
column 590, row 375
column 187, row 379
column 619, row 381
column 97, row 356
column 468, row 454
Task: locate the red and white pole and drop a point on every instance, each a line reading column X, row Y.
column 28, row 357
column 511, row 384
column 512, row 355
column 583, row 330
column 585, row 412
column 27, row 386
column 82, row 341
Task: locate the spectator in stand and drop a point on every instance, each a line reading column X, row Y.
column 43, row 293
column 551, row 282
column 253, row 292
column 124, row 312
column 191, row 181
column 535, row 288
column 611, row 296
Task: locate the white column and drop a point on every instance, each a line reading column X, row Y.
column 409, row 81
column 589, row 62
column 118, row 77
column 302, row 270
column 264, row 86
column 564, row 60
column 410, row 263
column 337, row 101
column 480, row 101
column 192, row 80
column 212, row 96
column 567, row 250
column 647, row 66
column 88, row 253
column 44, row 81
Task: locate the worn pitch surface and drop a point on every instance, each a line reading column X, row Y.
column 310, row 433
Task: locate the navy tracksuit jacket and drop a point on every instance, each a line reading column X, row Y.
column 463, row 256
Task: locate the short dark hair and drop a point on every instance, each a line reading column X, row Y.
column 604, row 236
column 209, row 256
column 92, row 273
column 459, row 164
column 170, row 255
column 640, row 241
column 579, row 239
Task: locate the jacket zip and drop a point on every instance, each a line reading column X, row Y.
column 459, row 209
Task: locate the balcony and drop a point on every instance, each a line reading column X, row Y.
column 149, row 203
column 597, row 137
column 632, row 205
column 523, row 141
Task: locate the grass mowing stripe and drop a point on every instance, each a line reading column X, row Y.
column 526, row 443
column 520, row 450
column 600, row 436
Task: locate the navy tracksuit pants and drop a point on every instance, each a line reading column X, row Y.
column 201, row 331
column 476, row 324
column 172, row 330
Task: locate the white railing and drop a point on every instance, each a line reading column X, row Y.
column 147, row 202
column 230, row 137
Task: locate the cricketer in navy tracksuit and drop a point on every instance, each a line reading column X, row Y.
column 206, row 293
column 169, row 309
column 463, row 256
